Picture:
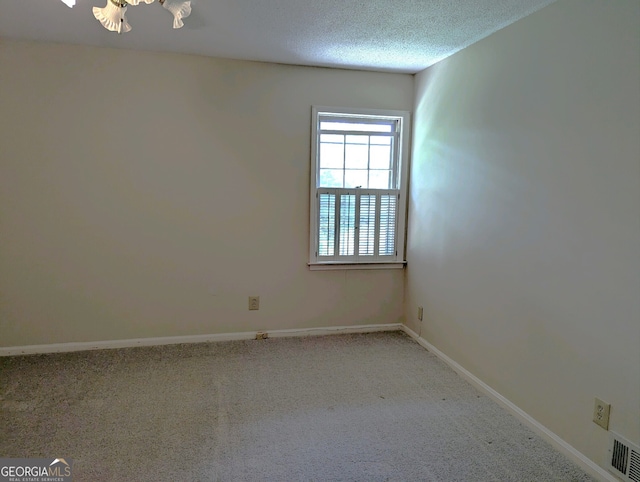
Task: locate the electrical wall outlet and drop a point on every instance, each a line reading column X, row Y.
column 601, row 412
column 254, row 303
column 420, row 310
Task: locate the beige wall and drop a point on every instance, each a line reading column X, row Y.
column 146, row 195
column 524, row 224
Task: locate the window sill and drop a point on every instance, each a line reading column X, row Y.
column 344, row 266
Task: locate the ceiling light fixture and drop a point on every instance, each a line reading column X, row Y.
column 112, row 17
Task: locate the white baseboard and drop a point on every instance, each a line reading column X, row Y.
column 174, row 340
column 586, row 464
column 335, row 330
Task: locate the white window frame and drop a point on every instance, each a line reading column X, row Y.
column 401, row 172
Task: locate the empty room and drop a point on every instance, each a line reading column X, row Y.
column 320, row 241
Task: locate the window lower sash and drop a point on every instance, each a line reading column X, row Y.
column 357, row 226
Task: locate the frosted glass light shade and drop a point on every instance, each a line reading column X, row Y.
column 69, row 3
column 136, row 2
column 112, row 17
column 179, row 9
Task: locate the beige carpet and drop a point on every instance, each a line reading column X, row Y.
column 375, row 407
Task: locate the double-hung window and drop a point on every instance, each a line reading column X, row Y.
column 359, row 169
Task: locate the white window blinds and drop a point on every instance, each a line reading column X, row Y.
column 357, row 223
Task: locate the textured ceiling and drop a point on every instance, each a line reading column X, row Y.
column 387, row 35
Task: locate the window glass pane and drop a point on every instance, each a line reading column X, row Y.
column 337, row 138
column 331, row 156
column 354, row 126
column 379, row 179
column 380, row 157
column 358, row 140
column 357, row 156
column 355, row 178
column 347, row 225
column 331, row 178
column 380, row 140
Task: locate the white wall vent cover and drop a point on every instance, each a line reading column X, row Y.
column 624, row 458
